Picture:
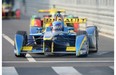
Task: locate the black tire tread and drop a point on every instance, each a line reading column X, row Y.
column 24, row 34
column 96, row 32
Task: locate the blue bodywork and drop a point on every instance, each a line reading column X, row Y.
column 47, row 41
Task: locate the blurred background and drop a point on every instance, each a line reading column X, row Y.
column 98, row 12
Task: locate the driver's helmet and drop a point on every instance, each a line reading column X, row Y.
column 57, row 16
column 57, row 26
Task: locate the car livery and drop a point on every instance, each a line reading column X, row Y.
column 58, row 38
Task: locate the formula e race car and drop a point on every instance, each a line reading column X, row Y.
column 9, row 11
column 57, row 38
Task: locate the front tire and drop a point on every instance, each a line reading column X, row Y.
column 24, row 34
column 95, row 39
column 86, row 43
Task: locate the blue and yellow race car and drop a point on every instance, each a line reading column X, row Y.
column 9, row 10
column 58, row 38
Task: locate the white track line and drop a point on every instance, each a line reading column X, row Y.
column 108, row 36
column 29, row 57
column 66, row 71
column 8, row 39
column 97, row 61
column 112, row 67
column 101, row 53
column 9, row 71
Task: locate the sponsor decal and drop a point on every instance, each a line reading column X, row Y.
column 66, row 20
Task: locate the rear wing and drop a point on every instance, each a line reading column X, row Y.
column 51, row 11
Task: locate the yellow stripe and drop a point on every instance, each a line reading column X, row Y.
column 82, row 44
column 66, row 20
column 52, row 47
column 47, row 38
column 70, row 49
column 32, row 22
column 6, row 5
column 51, row 11
column 27, row 48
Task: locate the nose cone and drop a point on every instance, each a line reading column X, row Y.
column 48, row 36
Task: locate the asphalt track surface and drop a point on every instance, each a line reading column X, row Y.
column 100, row 63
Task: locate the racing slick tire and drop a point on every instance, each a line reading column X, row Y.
column 24, row 34
column 95, row 38
column 87, row 43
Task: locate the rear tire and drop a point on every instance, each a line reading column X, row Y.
column 21, row 55
column 24, row 34
column 96, row 38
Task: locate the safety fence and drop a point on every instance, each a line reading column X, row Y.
column 98, row 12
